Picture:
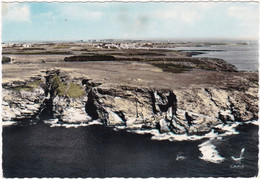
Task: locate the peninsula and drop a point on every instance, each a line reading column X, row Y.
column 134, row 85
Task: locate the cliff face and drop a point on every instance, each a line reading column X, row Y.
column 191, row 111
column 18, row 103
column 181, row 111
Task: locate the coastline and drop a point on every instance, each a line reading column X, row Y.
column 207, row 97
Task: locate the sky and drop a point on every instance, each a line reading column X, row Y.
column 34, row 21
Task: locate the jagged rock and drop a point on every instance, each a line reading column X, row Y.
column 177, row 127
column 163, row 126
column 150, row 107
column 114, row 119
column 75, row 115
column 225, row 116
column 210, row 101
column 202, row 124
column 190, row 110
column 18, row 104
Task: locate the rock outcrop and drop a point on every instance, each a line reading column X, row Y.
column 20, row 100
column 191, row 111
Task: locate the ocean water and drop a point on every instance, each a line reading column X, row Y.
column 39, row 150
column 97, row 151
column 244, row 57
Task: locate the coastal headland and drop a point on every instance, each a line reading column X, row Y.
column 139, row 86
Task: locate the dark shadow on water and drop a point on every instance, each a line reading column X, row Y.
column 98, row 151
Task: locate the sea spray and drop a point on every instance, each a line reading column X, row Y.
column 209, row 152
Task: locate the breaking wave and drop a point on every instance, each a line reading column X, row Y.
column 227, row 129
column 209, row 152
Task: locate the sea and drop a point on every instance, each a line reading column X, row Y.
column 43, row 150
column 244, row 56
column 97, row 151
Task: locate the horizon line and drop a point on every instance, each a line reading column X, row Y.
column 133, row 39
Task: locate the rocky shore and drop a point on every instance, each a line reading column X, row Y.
column 148, row 89
column 192, row 111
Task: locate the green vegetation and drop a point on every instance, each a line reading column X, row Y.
column 61, row 47
column 39, row 53
column 162, row 50
column 57, row 84
column 29, row 86
column 34, row 48
column 72, row 90
column 91, row 49
column 126, row 53
column 96, row 54
column 6, row 59
column 83, row 49
column 171, row 67
column 101, row 54
column 90, row 58
column 35, row 84
column 169, row 64
column 75, row 90
column 146, row 54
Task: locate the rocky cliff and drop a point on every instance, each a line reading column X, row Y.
column 193, row 110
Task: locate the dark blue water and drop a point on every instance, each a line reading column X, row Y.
column 244, row 57
column 97, row 151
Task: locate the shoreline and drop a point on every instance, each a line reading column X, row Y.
column 116, row 115
column 168, row 92
column 207, row 143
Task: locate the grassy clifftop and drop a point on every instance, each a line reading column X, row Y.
column 72, row 90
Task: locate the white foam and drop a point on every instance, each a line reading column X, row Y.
column 56, row 125
column 180, row 157
column 164, row 136
column 229, row 129
column 253, row 122
column 69, row 125
column 147, row 131
column 75, row 125
column 95, row 122
column 175, row 137
column 8, row 123
column 51, row 121
column 209, row 152
column 120, row 127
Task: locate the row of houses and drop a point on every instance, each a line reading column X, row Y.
column 123, row 45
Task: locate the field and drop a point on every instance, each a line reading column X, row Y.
column 118, row 63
